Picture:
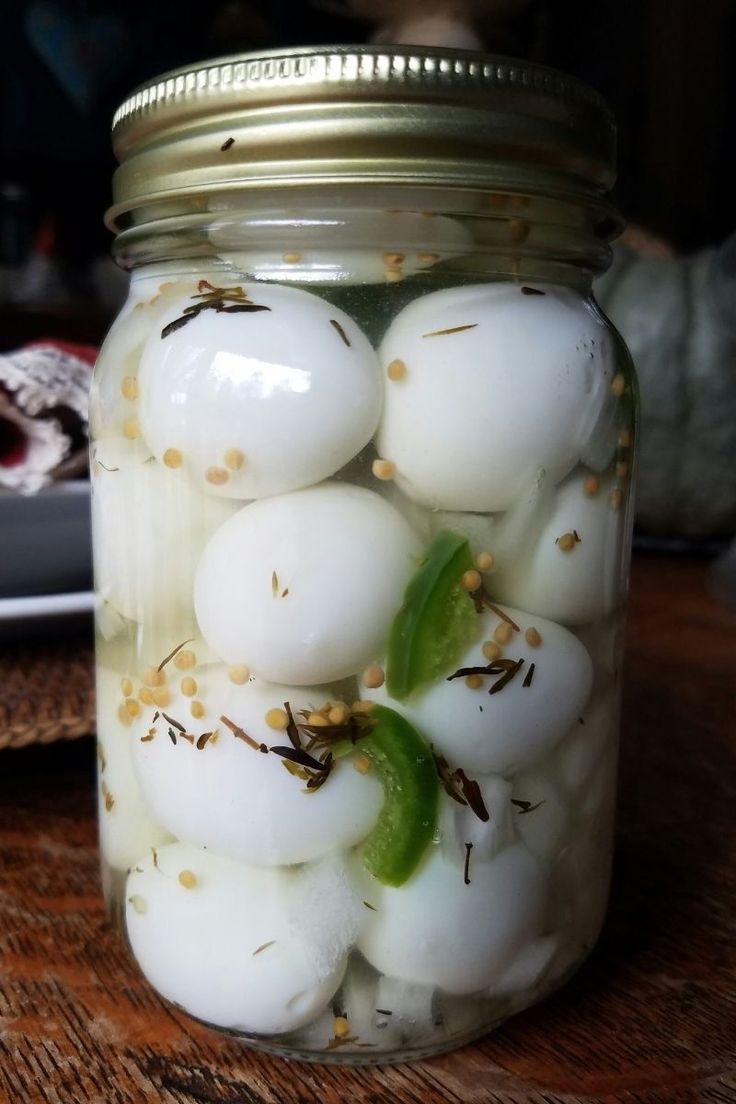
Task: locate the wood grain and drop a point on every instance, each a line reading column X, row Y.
column 651, row 1018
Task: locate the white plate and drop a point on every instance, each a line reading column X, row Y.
column 45, row 615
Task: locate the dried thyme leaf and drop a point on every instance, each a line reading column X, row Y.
column 202, row 741
column 525, row 806
column 451, row 330
column 291, row 728
column 447, row 778
column 151, row 735
column 171, row 655
column 507, row 677
column 274, row 583
column 105, row 468
column 466, row 871
column 172, row 736
column 371, row 907
column 384, row 1012
column 299, row 756
column 336, row 325
column 263, row 947
column 472, row 793
column 227, row 144
column 532, row 291
column 529, row 676
column 175, row 724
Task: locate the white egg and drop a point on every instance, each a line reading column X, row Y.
column 114, row 390
column 582, row 583
column 150, row 528
column 224, row 946
column 258, row 402
column 460, row 825
column 231, row 798
column 127, row 827
column 544, row 820
column 497, row 385
column 527, row 971
column 437, row 930
column 580, row 753
column 302, row 588
column 503, row 732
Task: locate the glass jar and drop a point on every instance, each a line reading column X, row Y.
column 363, row 446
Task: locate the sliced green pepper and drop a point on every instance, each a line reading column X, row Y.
column 407, row 820
column 437, row 620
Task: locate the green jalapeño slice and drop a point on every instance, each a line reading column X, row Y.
column 437, row 620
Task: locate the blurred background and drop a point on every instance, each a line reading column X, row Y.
column 665, row 67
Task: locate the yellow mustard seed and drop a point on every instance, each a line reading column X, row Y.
column 618, row 385
column 217, row 476
column 624, row 438
column 533, row 637
column 145, row 696
column 502, row 633
column 591, row 485
column 470, row 580
column 124, row 716
column 317, row 720
column 184, row 661
column 131, row 429
column 187, row 878
column 473, row 682
column 491, row 650
column 393, row 259
column 188, row 686
column 239, row 675
column 392, row 275
column 153, row 677
column 339, row 714
column 361, row 707
column 484, row 561
column 566, row 542
column 129, row 388
column 428, row 258
column 383, row 469
column 127, row 687
column 138, row 903
column 291, row 258
column 234, row 459
column 132, row 706
column 362, row 764
column 341, row 1027
column 173, row 458
column 622, row 470
column 616, row 498
column 373, row 677
column 197, row 710
column 396, row 370
column 161, row 697
column 277, row 718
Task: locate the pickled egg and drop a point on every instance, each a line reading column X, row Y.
column 150, row 530
column 128, row 828
column 496, row 385
column 504, row 731
column 274, row 390
column 489, row 920
column 220, row 792
column 222, row 941
column 571, row 571
column 302, row 588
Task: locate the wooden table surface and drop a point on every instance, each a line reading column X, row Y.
column 650, row 1018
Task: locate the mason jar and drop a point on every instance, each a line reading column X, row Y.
column 362, row 456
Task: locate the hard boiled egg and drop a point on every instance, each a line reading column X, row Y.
column 507, row 730
column 128, row 829
column 493, row 384
column 150, row 529
column 222, row 940
column 302, row 588
column 571, row 571
column 438, row 930
column 233, row 799
column 257, row 389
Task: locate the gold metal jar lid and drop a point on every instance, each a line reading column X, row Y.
column 359, row 115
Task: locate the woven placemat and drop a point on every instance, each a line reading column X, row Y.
column 47, row 692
